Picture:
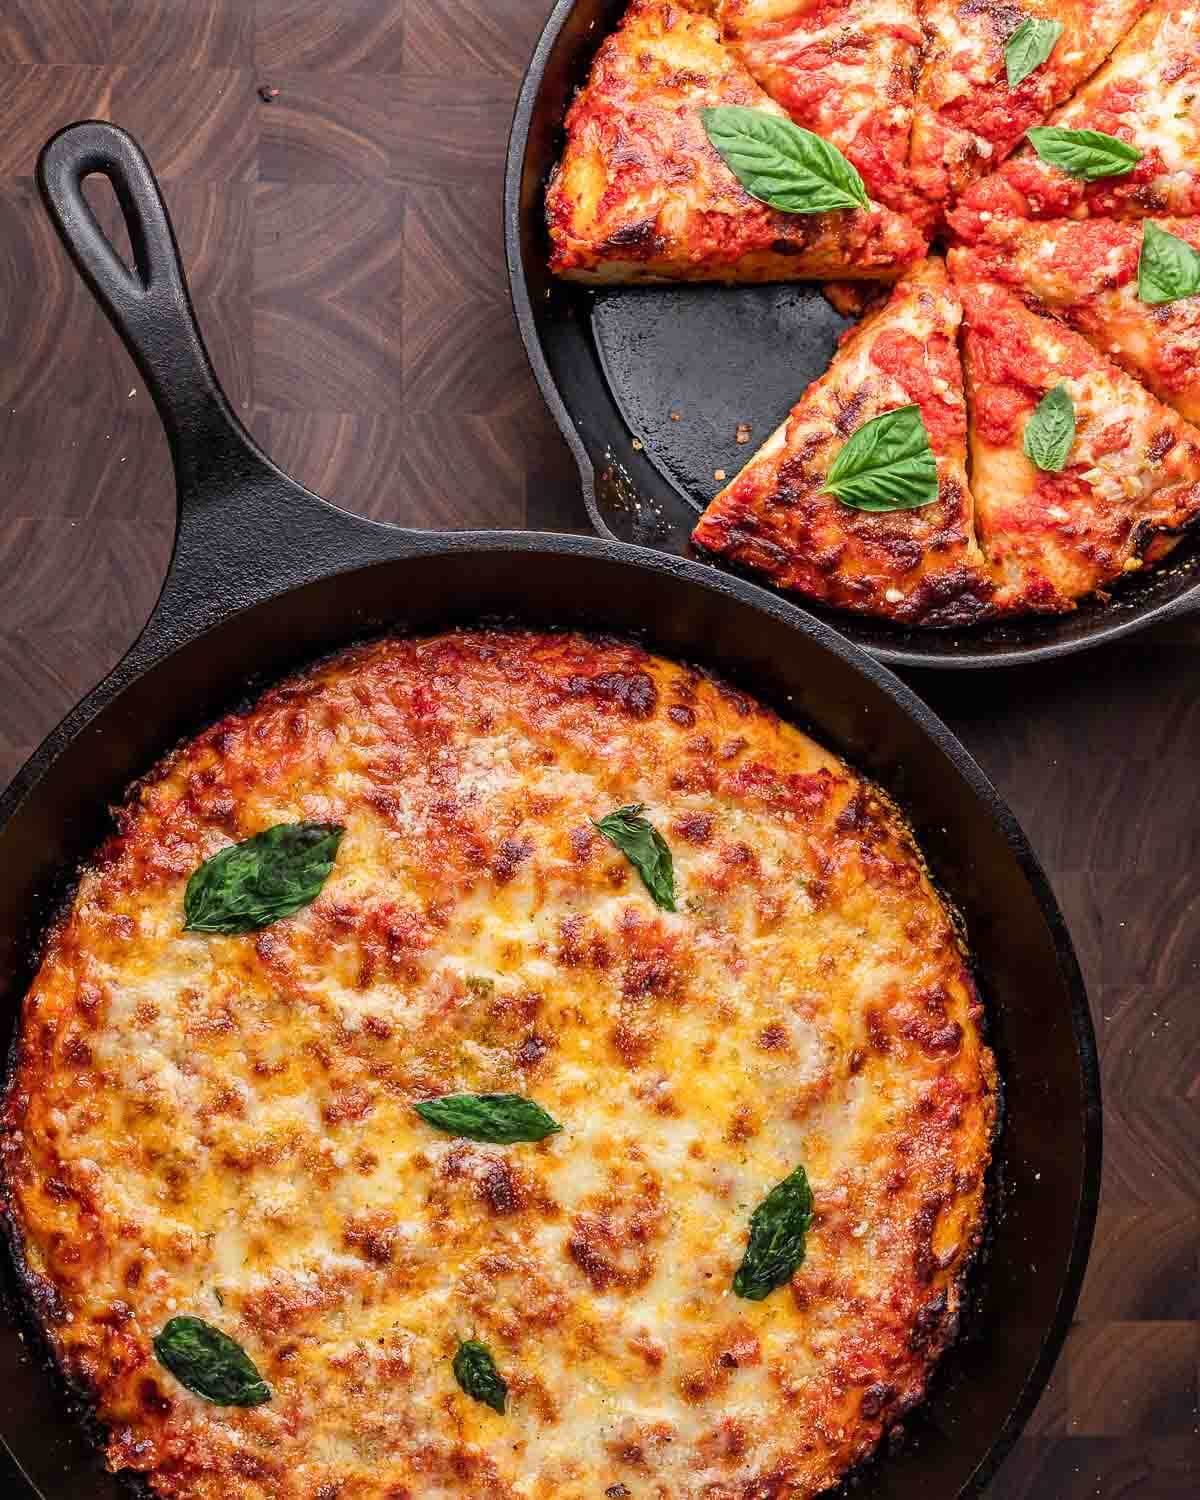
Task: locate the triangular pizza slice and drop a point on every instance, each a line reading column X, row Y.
column 1080, row 476
column 641, row 195
column 844, row 69
column 1091, row 273
column 917, row 566
column 969, row 116
column 1148, row 96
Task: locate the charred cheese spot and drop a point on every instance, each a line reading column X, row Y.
column 223, row 1126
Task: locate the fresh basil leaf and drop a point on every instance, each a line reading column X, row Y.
column 1088, row 154
column 1029, row 46
column 1168, row 267
column 269, row 876
column 210, row 1363
column 498, row 1118
column 777, row 1230
column 1050, row 431
column 886, row 465
column 476, row 1372
column 645, row 849
column 782, row 164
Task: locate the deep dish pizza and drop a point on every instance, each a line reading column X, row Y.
column 1052, row 147
column 1087, row 271
column 1128, row 483
column 499, row 1065
column 641, row 195
column 970, row 112
column 918, row 566
column 845, row 69
column 1148, row 97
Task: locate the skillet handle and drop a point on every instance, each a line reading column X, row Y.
column 245, row 532
column 149, row 304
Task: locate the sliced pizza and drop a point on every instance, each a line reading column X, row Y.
column 1147, row 96
column 779, row 516
column 641, row 194
column 992, row 69
column 844, row 69
column 1087, row 271
column 1080, row 476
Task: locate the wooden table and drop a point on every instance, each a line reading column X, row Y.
column 343, row 240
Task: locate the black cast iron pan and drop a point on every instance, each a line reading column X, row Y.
column 266, row 575
column 613, row 366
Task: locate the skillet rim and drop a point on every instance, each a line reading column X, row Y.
column 1101, row 630
column 150, row 651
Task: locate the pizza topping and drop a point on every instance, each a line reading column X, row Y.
column 781, row 164
column 778, row 1228
column 500, row 1119
column 1029, row 46
column 1086, row 154
column 1050, row 431
column 888, row 464
column 1168, row 267
column 251, row 884
column 643, row 194
column 844, row 69
column 476, row 1372
column 210, row 1363
column 645, row 849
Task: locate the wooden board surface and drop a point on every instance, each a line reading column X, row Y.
column 344, row 246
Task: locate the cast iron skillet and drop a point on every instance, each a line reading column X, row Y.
column 266, row 575
column 613, row 366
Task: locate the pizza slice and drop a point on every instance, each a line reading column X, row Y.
column 642, row 196
column 916, row 566
column 1148, row 95
column 968, row 115
column 844, row 69
column 1087, row 271
column 1080, row 476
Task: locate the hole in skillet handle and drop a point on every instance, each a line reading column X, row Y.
column 138, row 300
column 147, row 303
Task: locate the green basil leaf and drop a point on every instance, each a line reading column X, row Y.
column 782, row 164
column 1168, row 267
column 1050, row 431
column 645, row 849
column 886, row 465
column 777, row 1230
column 475, row 1370
column 269, row 876
column 498, row 1118
column 1088, row 154
column 1029, row 47
column 210, row 1363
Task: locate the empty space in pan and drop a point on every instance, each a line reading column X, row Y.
column 691, row 366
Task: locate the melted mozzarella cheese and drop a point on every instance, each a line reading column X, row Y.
column 222, row 1126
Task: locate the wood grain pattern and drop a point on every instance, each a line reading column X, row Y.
column 67, row 31
column 334, row 38
column 162, row 33
column 343, row 243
